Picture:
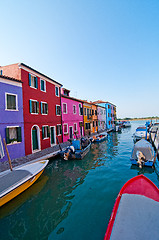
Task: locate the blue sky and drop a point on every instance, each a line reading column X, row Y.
column 105, row 49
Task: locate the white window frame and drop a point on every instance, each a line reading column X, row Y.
column 41, row 109
column 34, row 101
column 44, row 85
column 57, row 133
column 75, row 109
column 15, row 142
column 80, row 106
column 47, row 132
column 58, row 91
column 56, row 112
column 65, row 124
column 13, row 94
column 63, row 108
column 32, row 75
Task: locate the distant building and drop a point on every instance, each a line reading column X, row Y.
column 11, row 117
column 101, row 118
column 87, row 114
column 110, row 110
column 94, row 118
column 72, row 116
column 42, row 107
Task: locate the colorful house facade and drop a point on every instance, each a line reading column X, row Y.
column 101, row 118
column 11, row 117
column 87, row 117
column 42, row 107
column 72, row 116
column 94, row 118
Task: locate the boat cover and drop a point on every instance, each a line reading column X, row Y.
column 145, row 147
column 12, row 178
column 136, row 219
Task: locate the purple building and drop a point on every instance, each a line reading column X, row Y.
column 11, row 117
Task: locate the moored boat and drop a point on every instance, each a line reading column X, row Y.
column 142, row 154
column 78, row 149
column 141, row 132
column 135, row 213
column 101, row 137
column 126, row 124
column 12, row 183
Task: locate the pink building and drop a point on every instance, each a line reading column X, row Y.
column 72, row 116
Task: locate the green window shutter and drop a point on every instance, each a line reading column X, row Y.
column 30, row 104
column 41, row 105
column 7, row 136
column 48, row 131
column 37, row 107
column 42, row 132
column 56, row 110
column 56, row 130
column 19, row 135
column 60, row 129
column 29, row 79
column 36, row 82
column 46, row 108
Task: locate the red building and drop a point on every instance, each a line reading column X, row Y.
column 41, row 107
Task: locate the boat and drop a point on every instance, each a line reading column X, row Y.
column 141, row 132
column 142, row 154
column 100, row 137
column 126, row 124
column 77, row 150
column 135, row 212
column 14, row 182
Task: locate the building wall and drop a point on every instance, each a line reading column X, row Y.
column 94, row 119
column 12, row 118
column 70, row 118
column 51, row 119
column 101, row 118
column 87, row 119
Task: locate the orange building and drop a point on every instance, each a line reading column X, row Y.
column 94, row 118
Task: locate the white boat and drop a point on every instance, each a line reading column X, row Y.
column 141, row 132
column 142, row 154
column 12, row 183
column 126, row 124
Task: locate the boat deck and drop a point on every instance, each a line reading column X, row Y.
column 12, row 178
column 137, row 218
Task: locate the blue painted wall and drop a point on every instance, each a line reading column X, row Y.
column 10, row 118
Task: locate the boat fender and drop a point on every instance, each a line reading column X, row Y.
column 141, row 158
column 68, row 152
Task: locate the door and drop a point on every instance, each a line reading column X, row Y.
column 81, row 131
column 34, row 139
column 53, row 135
column 71, row 132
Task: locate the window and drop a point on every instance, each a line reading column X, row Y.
column 42, row 85
column 34, row 106
column 13, row 135
column 64, row 108
column 93, row 123
column 1, row 72
column 92, row 111
column 58, row 130
column 58, row 110
column 85, row 111
column 11, row 101
column 80, row 109
column 45, row 132
column 87, row 125
column 65, row 128
column 96, row 112
column 74, row 109
column 44, row 108
column 75, row 127
column 57, row 91
column 33, row 81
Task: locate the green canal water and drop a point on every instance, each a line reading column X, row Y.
column 74, row 199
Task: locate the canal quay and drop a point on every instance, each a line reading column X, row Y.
column 74, row 199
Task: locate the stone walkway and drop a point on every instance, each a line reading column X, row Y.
column 41, row 155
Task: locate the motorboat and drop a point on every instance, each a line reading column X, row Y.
column 141, row 132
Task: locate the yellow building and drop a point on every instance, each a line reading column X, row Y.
column 94, row 119
column 87, row 118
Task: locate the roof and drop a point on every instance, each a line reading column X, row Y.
column 24, row 65
column 10, row 78
column 72, row 98
column 100, row 101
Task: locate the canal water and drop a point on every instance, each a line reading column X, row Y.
column 74, row 199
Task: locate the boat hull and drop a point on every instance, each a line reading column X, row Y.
column 19, row 189
column 146, row 164
column 140, row 188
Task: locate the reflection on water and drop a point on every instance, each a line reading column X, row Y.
column 74, row 199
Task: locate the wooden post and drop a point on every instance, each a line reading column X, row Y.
column 10, row 164
column 58, row 143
